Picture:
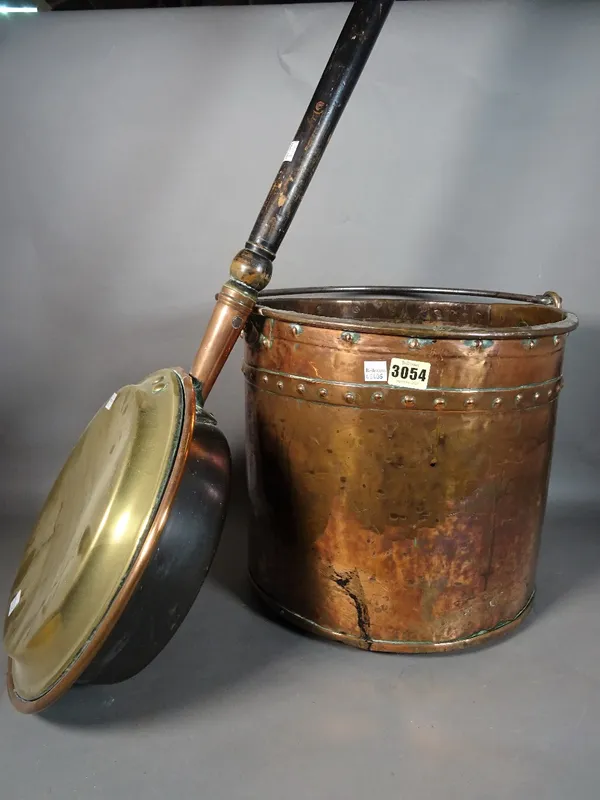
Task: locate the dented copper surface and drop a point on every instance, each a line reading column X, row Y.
column 395, row 518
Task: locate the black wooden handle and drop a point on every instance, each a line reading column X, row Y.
column 251, row 269
column 337, row 83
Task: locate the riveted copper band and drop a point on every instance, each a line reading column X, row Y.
column 383, row 396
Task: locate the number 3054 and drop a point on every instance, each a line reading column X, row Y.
column 408, row 373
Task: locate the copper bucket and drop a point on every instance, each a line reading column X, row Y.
column 398, row 450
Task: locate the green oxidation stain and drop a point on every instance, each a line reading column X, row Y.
column 479, row 344
column 529, row 344
column 267, row 340
column 415, row 542
column 503, row 623
column 424, row 342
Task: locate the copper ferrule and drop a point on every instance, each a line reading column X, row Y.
column 234, row 305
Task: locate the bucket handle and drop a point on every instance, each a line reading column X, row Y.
column 546, row 299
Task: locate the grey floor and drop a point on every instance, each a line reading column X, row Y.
column 135, row 151
column 239, row 706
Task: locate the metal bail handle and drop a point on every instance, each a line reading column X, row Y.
column 549, row 298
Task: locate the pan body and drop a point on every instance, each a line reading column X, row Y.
column 119, row 550
column 179, row 564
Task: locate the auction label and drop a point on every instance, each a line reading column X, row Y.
column 376, row 371
column 408, row 374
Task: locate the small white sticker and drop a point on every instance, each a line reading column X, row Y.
column 376, row 371
column 290, row 151
column 409, row 374
column 112, row 399
column 14, row 602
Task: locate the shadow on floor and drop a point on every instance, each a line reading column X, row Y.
column 570, row 553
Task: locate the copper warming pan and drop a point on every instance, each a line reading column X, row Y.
column 399, row 445
column 127, row 534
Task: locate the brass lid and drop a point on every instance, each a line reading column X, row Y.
column 90, row 532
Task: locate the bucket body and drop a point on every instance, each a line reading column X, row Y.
column 398, row 456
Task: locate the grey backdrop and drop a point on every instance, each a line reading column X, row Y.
column 135, row 151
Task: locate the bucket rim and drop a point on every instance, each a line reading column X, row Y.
column 568, row 323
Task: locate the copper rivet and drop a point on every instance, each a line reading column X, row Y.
column 412, row 343
column 296, row 330
column 439, row 402
column 301, row 388
column 556, row 340
column 530, row 343
column 536, row 396
column 409, row 401
column 469, row 402
column 549, row 392
column 559, row 385
column 518, row 399
column 323, row 392
column 280, row 384
column 349, row 397
column 347, row 337
column 265, row 379
column 497, row 402
column 377, row 397
column 237, row 323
